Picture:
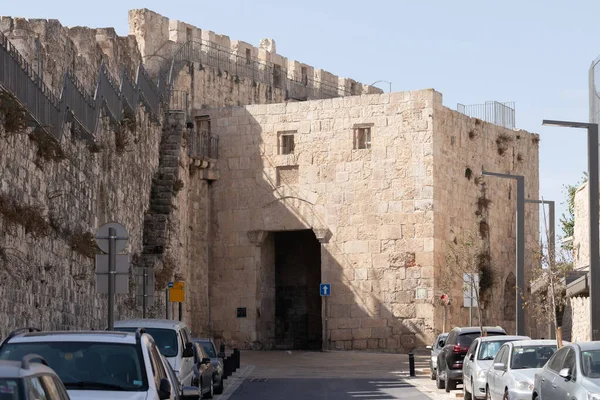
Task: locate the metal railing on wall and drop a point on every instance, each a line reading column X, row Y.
column 225, row 60
column 203, row 145
column 51, row 112
column 502, row 114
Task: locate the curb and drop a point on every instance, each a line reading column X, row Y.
column 235, row 382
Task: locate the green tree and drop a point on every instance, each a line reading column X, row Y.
column 567, row 220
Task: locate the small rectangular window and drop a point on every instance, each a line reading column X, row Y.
column 286, row 142
column 248, row 56
column 362, row 137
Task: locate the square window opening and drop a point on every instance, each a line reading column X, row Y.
column 362, row 137
column 286, row 143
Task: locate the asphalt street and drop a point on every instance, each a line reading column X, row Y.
column 327, row 375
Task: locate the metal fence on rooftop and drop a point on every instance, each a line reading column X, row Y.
column 502, row 114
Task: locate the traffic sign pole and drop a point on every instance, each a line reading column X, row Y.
column 112, row 261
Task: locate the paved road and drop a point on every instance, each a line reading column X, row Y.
column 330, row 375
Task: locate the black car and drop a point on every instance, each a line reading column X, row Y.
column 450, row 359
column 211, row 352
column 204, row 373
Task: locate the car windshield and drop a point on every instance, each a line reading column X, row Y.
column 166, row 339
column 590, row 363
column 465, row 339
column 87, row 366
column 440, row 342
column 10, row 389
column 209, row 349
column 536, row 356
column 488, row 350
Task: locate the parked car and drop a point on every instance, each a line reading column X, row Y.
column 203, row 372
column 180, row 392
column 514, row 367
column 478, row 360
column 210, row 350
column 98, row 364
column 450, row 358
column 573, row 372
column 435, row 349
column 30, row 379
column 174, row 341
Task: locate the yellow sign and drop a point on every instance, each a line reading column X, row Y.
column 177, row 293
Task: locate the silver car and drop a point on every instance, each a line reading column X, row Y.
column 573, row 372
column 478, row 360
column 435, row 350
column 515, row 366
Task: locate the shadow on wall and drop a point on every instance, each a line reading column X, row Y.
column 264, row 278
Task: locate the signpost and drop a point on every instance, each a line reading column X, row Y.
column 325, row 290
column 177, row 295
column 471, row 283
column 112, row 269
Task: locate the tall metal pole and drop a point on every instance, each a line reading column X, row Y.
column 112, row 262
column 167, row 303
column 551, row 240
column 520, row 259
column 594, row 233
column 471, row 301
column 520, row 265
column 144, row 283
column 593, row 199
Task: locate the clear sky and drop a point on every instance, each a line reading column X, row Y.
column 533, row 52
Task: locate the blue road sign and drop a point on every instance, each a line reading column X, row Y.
column 325, row 289
column 170, row 285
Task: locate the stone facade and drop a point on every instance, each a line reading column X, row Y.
column 380, row 179
column 383, row 214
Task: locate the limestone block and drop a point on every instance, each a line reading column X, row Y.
column 356, row 246
column 341, row 334
column 361, row 333
column 360, row 344
column 373, row 323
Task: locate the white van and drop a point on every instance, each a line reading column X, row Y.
column 174, row 341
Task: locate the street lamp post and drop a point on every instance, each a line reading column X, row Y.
column 388, row 82
column 551, row 242
column 593, row 204
column 520, row 264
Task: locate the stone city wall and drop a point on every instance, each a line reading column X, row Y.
column 486, row 206
column 53, row 196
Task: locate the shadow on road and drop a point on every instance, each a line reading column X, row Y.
column 302, row 388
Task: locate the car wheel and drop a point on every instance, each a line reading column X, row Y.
column 210, row 392
column 466, row 394
column 219, row 388
column 432, row 374
column 439, row 383
column 450, row 384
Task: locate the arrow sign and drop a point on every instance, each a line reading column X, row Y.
column 325, row 289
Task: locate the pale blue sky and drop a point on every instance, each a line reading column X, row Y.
column 533, row 52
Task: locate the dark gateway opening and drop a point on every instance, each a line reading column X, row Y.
column 297, row 299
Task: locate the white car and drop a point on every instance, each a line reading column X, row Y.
column 514, row 368
column 100, row 364
column 174, row 340
column 478, row 360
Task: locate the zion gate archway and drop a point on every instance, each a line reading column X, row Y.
column 298, row 319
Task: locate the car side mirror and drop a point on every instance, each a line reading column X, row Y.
column 206, row 361
column 188, row 351
column 164, row 389
column 428, row 347
column 442, row 343
column 499, row 366
column 190, row 393
column 472, row 357
column 565, row 373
